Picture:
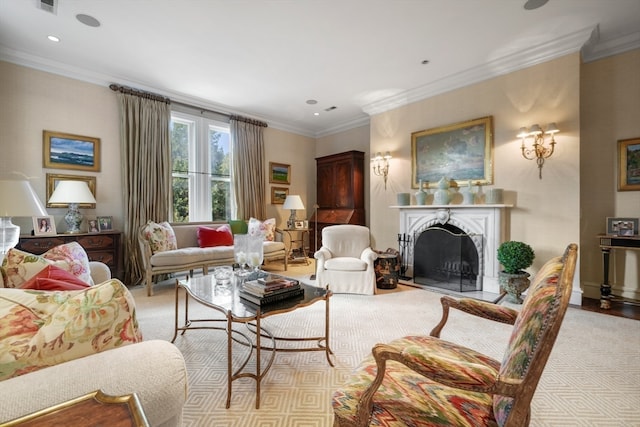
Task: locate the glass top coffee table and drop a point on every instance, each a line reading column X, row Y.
column 233, row 309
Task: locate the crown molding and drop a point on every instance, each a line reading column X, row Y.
column 596, row 49
column 565, row 45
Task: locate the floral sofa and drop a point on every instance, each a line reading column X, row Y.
column 177, row 247
column 62, row 344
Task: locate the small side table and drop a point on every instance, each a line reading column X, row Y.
column 387, row 268
column 295, row 242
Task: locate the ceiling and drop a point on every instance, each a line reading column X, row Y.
column 265, row 58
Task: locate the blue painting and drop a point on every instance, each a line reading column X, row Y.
column 66, row 151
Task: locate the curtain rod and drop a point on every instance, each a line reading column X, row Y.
column 144, row 94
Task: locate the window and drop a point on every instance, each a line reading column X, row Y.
column 201, row 162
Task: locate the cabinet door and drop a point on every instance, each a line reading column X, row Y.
column 343, row 184
column 325, row 185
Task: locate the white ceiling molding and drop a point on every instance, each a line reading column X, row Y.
column 545, row 52
column 596, row 49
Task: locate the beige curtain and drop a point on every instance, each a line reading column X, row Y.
column 146, row 168
column 248, row 167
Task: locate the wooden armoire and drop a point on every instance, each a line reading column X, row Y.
column 340, row 193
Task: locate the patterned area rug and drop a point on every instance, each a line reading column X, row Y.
column 592, row 377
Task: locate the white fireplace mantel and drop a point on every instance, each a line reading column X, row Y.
column 489, row 221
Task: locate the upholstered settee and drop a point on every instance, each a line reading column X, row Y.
column 60, row 345
column 177, row 247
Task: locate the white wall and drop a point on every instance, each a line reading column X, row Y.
column 610, row 111
column 546, row 213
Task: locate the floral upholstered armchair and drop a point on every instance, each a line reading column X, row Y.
column 426, row 381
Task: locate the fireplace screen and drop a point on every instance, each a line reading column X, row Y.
column 446, row 257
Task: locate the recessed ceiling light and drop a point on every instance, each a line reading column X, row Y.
column 311, row 101
column 53, row 38
column 88, row 20
column 534, row 4
column 316, row 114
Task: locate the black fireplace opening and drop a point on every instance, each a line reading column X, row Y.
column 446, row 257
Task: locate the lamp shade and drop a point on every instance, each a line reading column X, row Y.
column 293, row 202
column 72, row 192
column 17, row 198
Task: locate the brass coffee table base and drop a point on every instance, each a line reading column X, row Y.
column 237, row 310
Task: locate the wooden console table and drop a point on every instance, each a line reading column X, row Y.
column 103, row 246
column 607, row 243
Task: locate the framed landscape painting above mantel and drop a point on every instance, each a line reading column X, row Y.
column 461, row 152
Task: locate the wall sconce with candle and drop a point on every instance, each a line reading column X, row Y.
column 538, row 150
column 381, row 165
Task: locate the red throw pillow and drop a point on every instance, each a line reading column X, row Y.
column 209, row 237
column 53, row 278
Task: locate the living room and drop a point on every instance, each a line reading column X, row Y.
column 594, row 103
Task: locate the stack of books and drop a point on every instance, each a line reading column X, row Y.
column 270, row 289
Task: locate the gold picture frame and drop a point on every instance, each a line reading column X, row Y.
column 279, row 173
column 69, row 151
column 629, row 164
column 461, row 152
column 278, row 195
column 54, row 178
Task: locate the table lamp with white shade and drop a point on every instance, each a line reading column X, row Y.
column 17, row 198
column 73, row 193
column 294, row 203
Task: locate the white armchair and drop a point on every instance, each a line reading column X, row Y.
column 345, row 260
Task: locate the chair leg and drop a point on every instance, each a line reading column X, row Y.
column 149, row 283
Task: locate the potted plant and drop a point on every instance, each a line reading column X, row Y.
column 514, row 257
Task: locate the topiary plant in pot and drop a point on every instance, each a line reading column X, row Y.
column 515, row 257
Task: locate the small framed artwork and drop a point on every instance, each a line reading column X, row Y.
column 299, row 225
column 622, row 226
column 92, row 224
column 629, row 165
column 43, row 225
column 279, row 173
column 54, row 178
column 105, row 223
column 278, row 194
column 68, row 151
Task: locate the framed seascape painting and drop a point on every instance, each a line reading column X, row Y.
column 67, row 151
column 461, row 152
column 279, row 173
column 629, row 165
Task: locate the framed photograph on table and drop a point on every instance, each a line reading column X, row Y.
column 462, row 152
column 92, row 225
column 105, row 223
column 629, row 165
column 279, row 173
column 68, row 151
column 43, row 226
column 278, row 195
column 622, row 226
column 299, row 225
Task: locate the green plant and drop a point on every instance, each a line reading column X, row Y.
column 515, row 256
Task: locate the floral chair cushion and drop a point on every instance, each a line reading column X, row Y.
column 408, row 398
column 20, row 266
column 266, row 228
column 160, row 236
column 542, row 301
column 45, row 328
